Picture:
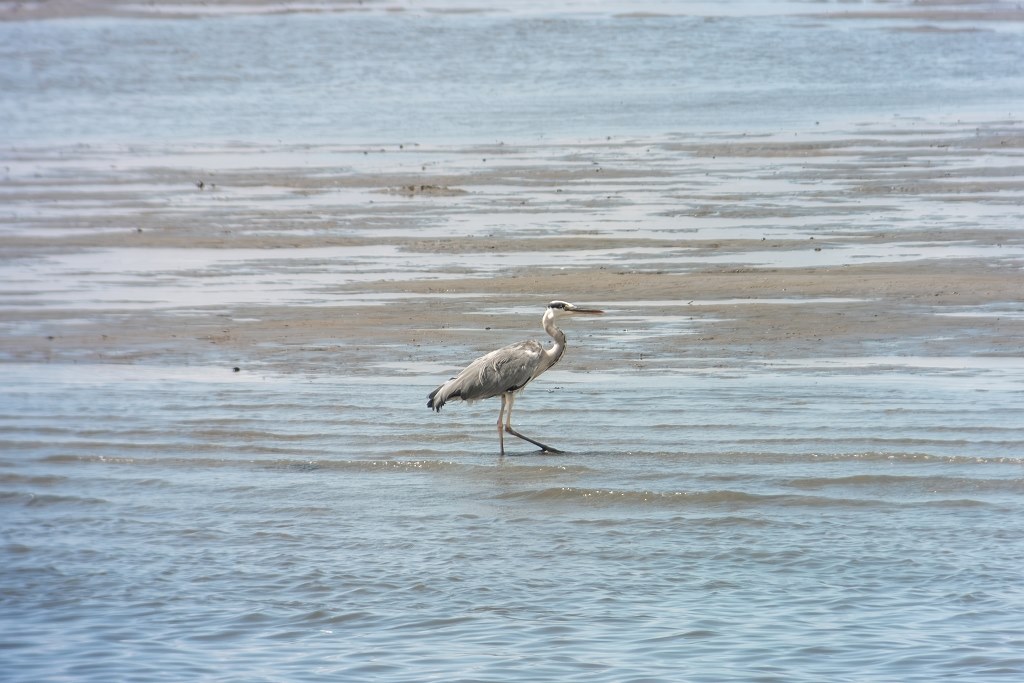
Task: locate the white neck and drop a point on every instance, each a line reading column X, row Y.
column 551, row 355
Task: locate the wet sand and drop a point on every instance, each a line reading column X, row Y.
column 897, row 239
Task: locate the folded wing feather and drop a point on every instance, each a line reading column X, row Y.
column 506, row 369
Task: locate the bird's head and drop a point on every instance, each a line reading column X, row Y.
column 560, row 308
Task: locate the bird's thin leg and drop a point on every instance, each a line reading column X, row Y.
column 538, row 444
column 501, row 434
column 508, row 427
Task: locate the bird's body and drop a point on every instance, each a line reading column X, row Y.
column 505, row 371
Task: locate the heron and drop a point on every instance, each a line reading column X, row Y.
column 506, row 371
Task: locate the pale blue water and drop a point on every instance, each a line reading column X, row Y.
column 206, row 525
column 425, row 76
column 733, row 519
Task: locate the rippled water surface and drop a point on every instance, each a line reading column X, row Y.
column 515, row 72
column 784, row 524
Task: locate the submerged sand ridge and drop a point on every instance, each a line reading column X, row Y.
column 882, row 240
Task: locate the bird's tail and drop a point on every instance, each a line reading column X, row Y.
column 438, row 397
column 434, row 401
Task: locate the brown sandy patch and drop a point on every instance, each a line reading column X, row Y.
column 887, row 242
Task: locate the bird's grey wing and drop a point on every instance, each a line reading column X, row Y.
column 505, row 369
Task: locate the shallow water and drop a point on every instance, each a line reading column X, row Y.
column 786, row 523
column 496, row 75
column 787, row 516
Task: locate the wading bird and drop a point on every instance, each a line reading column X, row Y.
column 507, row 370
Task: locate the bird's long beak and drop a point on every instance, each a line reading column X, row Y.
column 589, row 311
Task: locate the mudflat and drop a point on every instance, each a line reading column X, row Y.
column 895, row 240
